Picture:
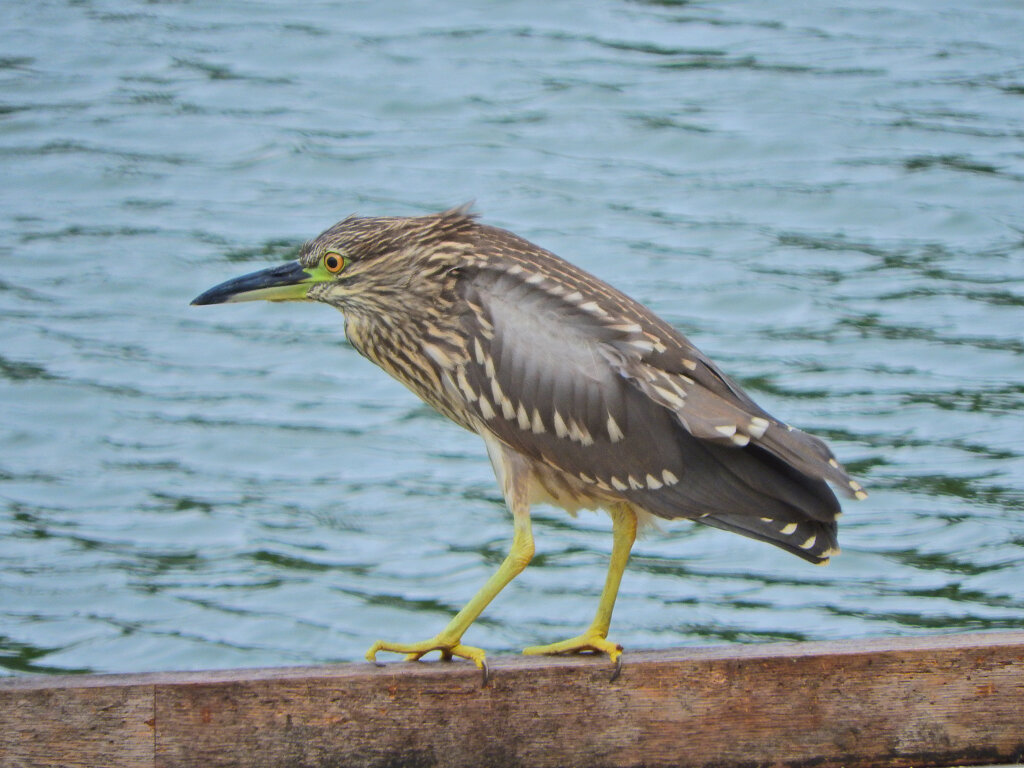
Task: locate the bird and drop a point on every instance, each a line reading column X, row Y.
column 584, row 398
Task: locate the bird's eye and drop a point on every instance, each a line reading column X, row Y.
column 334, row 263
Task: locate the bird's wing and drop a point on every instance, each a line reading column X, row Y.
column 538, row 375
column 712, row 407
column 604, row 391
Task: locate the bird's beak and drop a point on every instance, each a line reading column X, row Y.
column 288, row 282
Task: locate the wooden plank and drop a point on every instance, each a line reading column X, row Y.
column 59, row 722
column 928, row 701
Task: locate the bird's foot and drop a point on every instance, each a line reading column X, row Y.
column 447, row 648
column 589, row 642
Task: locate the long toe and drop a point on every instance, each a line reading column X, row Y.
column 590, row 642
column 415, row 651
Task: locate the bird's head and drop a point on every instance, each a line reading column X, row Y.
column 362, row 266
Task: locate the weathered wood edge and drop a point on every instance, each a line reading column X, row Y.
column 498, row 663
column 909, row 701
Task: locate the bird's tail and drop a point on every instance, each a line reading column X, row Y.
column 813, row 540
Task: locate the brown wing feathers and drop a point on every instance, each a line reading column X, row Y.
column 635, row 409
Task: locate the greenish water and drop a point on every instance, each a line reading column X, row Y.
column 828, row 199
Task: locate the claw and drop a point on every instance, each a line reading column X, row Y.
column 617, row 671
column 487, row 672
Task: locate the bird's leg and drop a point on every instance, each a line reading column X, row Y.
column 447, row 641
column 595, row 640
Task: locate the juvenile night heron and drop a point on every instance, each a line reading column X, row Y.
column 583, row 397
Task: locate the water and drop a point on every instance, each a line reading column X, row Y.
column 828, row 200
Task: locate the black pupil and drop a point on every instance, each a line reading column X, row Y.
column 332, row 262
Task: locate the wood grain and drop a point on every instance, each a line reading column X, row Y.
column 886, row 702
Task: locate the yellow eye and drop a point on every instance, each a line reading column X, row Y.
column 334, row 263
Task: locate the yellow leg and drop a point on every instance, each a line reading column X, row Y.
column 595, row 638
column 447, row 641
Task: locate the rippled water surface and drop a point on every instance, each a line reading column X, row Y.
column 828, row 198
